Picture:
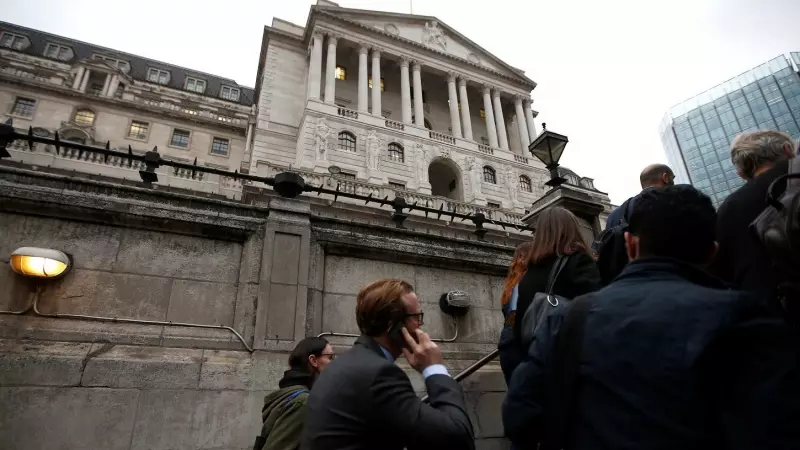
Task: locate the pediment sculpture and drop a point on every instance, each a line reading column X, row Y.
column 433, row 35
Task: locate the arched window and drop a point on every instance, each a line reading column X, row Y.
column 489, row 175
column 525, row 184
column 347, row 141
column 84, row 117
column 396, row 152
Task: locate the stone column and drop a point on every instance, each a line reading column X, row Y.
column 489, row 114
column 363, row 79
column 85, row 81
column 455, row 123
column 330, row 70
column 466, row 119
column 112, row 87
column 76, row 83
column 499, row 121
column 526, row 104
column 523, row 128
column 376, row 82
column 315, row 66
column 405, row 91
column 106, row 84
column 419, row 111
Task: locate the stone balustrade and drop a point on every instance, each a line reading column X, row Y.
column 521, row 159
column 395, row 125
column 441, row 137
column 485, row 149
column 349, row 113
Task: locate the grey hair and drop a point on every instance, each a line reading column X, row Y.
column 753, row 151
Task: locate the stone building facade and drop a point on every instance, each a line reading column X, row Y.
column 97, row 95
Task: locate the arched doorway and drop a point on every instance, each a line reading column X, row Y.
column 445, row 178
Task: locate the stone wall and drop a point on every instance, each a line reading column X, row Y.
column 275, row 271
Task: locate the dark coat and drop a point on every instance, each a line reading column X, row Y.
column 284, row 411
column 579, row 276
column 364, row 401
column 670, row 360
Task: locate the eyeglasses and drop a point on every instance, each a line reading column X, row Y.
column 419, row 316
column 331, row 356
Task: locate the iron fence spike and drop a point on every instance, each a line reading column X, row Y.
column 130, row 156
column 58, row 144
column 30, row 138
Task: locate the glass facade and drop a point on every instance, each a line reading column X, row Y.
column 697, row 133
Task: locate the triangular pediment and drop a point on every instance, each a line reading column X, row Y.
column 429, row 32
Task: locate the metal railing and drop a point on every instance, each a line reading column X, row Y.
column 287, row 184
column 474, row 367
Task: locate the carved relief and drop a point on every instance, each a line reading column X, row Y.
column 473, row 57
column 373, row 151
column 391, row 29
column 422, row 163
column 444, row 152
column 433, row 36
column 511, row 184
column 321, row 139
column 474, row 175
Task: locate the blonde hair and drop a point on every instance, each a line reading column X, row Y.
column 752, row 151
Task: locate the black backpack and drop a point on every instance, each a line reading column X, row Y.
column 610, row 246
column 778, row 229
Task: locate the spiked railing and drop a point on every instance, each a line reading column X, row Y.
column 286, row 184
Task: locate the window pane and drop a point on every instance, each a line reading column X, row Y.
column 138, row 130
column 396, row 152
column 24, row 107
column 180, row 138
column 84, row 117
column 347, row 141
column 219, row 147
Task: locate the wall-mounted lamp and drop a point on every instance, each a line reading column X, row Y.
column 40, row 262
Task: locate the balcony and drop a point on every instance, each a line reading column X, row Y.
column 425, row 135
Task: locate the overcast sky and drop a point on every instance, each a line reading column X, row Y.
column 606, row 70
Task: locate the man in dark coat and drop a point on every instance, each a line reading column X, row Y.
column 670, row 359
column 363, row 400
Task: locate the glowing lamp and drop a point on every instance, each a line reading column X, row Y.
column 39, row 262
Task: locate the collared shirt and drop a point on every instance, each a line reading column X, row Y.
column 433, row 369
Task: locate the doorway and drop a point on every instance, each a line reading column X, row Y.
column 445, row 179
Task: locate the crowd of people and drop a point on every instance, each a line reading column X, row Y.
column 669, row 331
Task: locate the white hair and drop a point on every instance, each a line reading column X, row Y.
column 753, row 151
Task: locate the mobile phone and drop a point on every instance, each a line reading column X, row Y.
column 396, row 335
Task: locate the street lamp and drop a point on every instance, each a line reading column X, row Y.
column 548, row 148
column 40, row 262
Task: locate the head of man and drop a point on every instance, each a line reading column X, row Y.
column 756, row 152
column 384, row 303
column 656, row 175
column 676, row 222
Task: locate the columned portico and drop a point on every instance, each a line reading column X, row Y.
column 363, row 78
column 526, row 104
column 499, row 120
column 489, row 114
column 330, row 70
column 419, row 111
column 376, row 82
column 524, row 138
column 455, row 122
column 405, row 91
column 315, row 66
column 466, row 119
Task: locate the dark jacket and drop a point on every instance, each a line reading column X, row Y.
column 741, row 260
column 364, row 401
column 284, row 411
column 579, row 276
column 670, row 360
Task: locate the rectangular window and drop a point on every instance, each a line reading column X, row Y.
column 219, row 146
column 180, row 138
column 138, row 130
column 483, row 114
column 24, row 107
column 394, row 185
column 229, row 93
column 341, row 73
column 157, row 76
column 369, row 83
column 349, row 176
column 118, row 63
column 120, row 91
column 195, row 85
column 56, row 51
column 11, row 40
column 493, row 205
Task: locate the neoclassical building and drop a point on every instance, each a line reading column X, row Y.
column 96, row 95
column 397, row 101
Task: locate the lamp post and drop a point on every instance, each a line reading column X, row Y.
column 548, row 148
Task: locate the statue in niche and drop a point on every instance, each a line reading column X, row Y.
column 422, row 163
column 321, row 139
column 434, row 35
column 474, row 174
column 373, row 151
column 511, row 184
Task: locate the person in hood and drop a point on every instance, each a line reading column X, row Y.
column 284, row 412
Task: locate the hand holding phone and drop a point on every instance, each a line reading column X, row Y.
column 420, row 352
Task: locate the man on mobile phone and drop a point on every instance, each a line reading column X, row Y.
column 365, row 401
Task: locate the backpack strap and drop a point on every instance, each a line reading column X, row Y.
column 266, row 427
column 558, row 265
column 563, row 374
column 293, row 396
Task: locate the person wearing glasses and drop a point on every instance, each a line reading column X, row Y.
column 365, row 401
column 284, row 411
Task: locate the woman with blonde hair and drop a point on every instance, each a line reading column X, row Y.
column 558, row 249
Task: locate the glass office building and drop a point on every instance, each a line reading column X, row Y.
column 697, row 133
